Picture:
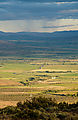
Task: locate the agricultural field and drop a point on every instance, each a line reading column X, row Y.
column 24, row 78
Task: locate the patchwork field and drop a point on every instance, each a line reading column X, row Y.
column 28, row 77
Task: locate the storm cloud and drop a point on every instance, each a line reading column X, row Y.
column 40, row 11
column 20, row 10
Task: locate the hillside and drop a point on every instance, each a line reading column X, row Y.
column 31, row 44
column 40, row 108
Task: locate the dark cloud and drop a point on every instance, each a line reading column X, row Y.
column 21, row 10
column 48, row 0
column 3, row 1
column 41, row 1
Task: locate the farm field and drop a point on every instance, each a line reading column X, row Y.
column 21, row 79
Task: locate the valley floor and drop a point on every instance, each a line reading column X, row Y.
column 22, row 79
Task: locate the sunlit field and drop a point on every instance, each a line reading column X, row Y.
column 22, row 79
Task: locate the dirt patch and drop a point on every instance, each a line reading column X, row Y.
column 7, row 103
column 9, row 82
column 16, row 93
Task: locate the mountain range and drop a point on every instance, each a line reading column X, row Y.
column 35, row 44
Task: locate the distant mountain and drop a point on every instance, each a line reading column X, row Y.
column 36, row 35
column 34, row 44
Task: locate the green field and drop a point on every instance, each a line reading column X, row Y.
column 24, row 78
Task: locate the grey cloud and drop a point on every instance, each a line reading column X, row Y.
column 58, row 26
column 41, row 1
column 48, row 0
column 20, row 10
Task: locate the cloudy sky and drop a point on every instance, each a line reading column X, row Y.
column 38, row 16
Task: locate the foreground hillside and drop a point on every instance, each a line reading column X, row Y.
column 32, row 44
column 40, row 108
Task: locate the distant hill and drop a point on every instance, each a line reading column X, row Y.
column 34, row 44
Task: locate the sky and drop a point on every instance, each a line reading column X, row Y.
column 38, row 15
